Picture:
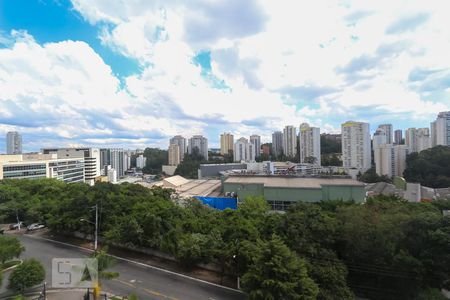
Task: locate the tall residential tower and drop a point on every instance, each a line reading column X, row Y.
column 356, row 150
column 13, row 143
column 309, row 144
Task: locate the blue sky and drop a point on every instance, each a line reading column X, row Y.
column 135, row 73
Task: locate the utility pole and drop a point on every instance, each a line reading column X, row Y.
column 96, row 228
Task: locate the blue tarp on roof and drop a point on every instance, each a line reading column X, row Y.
column 218, row 203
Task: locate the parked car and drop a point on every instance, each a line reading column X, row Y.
column 35, row 226
column 16, row 226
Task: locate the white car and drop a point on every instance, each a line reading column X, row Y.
column 35, row 226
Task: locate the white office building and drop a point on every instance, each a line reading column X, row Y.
column 141, row 161
column 174, row 154
column 199, row 142
column 309, row 138
column 356, row 150
column 244, row 151
column 418, row 139
column 181, row 142
column 277, row 143
column 112, row 174
column 33, row 166
column 290, row 141
column 13, row 143
column 91, row 158
column 255, row 140
column 440, row 130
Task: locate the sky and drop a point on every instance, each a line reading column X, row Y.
column 134, row 73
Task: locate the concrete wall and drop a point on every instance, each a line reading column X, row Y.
column 244, row 190
column 292, row 194
column 169, row 170
column 333, row 192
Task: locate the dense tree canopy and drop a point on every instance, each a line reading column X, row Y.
column 384, row 249
column 28, row 274
column 10, row 248
column 430, row 167
column 371, row 176
column 189, row 166
column 329, row 145
column 156, row 158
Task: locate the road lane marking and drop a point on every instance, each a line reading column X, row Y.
column 148, row 291
column 139, row 264
column 126, row 283
column 159, row 294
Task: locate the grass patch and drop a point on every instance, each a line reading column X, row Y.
column 9, row 264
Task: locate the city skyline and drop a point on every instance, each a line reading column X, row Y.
column 134, row 74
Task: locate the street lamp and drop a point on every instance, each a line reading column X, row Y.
column 96, row 227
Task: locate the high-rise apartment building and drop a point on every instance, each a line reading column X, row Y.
column 277, row 143
column 379, row 138
column 181, row 142
column 244, row 151
column 390, row 160
column 440, row 130
column 13, row 143
column 255, row 140
column 112, row 157
column 91, row 158
column 141, row 161
column 388, row 130
column 398, row 137
column 290, row 141
column 226, row 143
column 356, row 150
column 418, row 139
column 174, row 154
column 199, row 142
column 309, row 138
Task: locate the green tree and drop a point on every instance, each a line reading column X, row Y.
column 105, row 262
column 28, row 274
column 156, row 158
column 371, row 176
column 430, row 167
column 329, row 145
column 191, row 163
column 10, row 248
column 331, row 160
column 277, row 273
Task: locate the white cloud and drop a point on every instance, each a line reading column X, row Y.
column 284, row 62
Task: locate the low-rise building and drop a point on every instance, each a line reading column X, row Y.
column 33, row 166
column 282, row 191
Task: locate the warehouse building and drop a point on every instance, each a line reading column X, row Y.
column 280, row 192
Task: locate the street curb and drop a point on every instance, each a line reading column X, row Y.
column 140, row 264
column 13, row 267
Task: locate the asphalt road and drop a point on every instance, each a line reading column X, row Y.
column 144, row 281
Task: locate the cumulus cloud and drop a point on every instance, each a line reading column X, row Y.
column 270, row 63
column 408, row 23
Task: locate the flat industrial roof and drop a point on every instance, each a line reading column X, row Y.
column 292, row 182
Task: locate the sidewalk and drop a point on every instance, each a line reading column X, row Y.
column 65, row 295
